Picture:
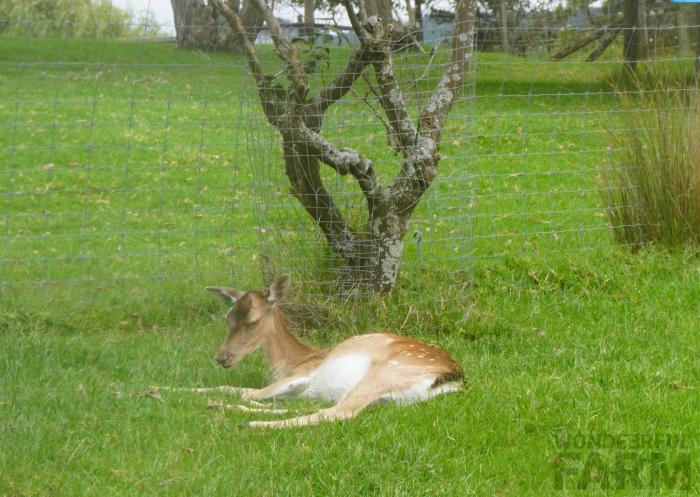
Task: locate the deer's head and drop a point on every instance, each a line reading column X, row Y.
column 250, row 319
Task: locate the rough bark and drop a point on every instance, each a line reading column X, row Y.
column 379, row 8
column 643, row 29
column 683, row 35
column 631, row 44
column 198, row 26
column 309, row 20
column 682, row 25
column 697, row 42
column 371, row 255
column 418, row 19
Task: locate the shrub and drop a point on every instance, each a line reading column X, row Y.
column 652, row 188
column 72, row 18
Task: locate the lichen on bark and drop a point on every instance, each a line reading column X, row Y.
column 371, row 254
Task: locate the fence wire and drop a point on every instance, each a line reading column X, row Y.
column 130, row 161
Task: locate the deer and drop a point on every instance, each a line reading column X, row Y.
column 356, row 373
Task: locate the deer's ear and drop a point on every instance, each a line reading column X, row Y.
column 229, row 295
column 278, row 289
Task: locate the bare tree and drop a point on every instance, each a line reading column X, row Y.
column 197, row 25
column 371, row 255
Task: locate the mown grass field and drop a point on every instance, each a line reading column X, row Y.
column 126, row 186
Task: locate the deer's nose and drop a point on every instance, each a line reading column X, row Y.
column 222, row 358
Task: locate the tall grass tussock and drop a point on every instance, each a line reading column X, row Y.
column 652, row 187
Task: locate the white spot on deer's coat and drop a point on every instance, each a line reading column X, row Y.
column 336, row 376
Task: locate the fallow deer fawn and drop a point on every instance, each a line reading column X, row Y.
column 356, row 373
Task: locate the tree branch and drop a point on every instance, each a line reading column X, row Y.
column 307, row 186
column 237, row 26
column 343, row 81
column 391, row 139
column 344, row 161
column 392, row 100
column 434, row 113
column 586, row 40
column 287, row 52
column 603, row 44
column 360, row 31
column 420, row 161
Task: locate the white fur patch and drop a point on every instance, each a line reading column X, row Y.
column 421, row 391
column 291, row 388
column 336, row 376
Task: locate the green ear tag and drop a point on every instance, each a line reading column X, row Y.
column 233, row 302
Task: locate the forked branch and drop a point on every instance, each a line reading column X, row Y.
column 393, row 102
column 287, row 52
column 434, row 113
column 237, row 26
column 344, row 161
column 371, row 254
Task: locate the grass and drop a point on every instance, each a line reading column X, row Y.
column 112, row 222
column 653, row 189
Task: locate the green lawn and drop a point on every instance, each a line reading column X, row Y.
column 131, row 176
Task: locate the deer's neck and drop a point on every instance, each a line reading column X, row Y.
column 285, row 351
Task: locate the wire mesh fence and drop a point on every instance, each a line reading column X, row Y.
column 133, row 161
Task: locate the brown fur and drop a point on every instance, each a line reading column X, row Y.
column 398, row 366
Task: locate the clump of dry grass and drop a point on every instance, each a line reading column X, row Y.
column 652, row 188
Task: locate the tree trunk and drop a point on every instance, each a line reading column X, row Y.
column 411, row 13
column 386, row 231
column 371, row 254
column 381, row 9
column 198, row 26
column 643, row 29
column 309, row 21
column 697, row 42
column 631, row 44
column 418, row 19
column 505, row 45
column 683, row 36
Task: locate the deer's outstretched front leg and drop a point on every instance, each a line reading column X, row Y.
column 222, row 389
column 214, row 404
column 284, row 387
column 368, row 391
column 288, row 386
